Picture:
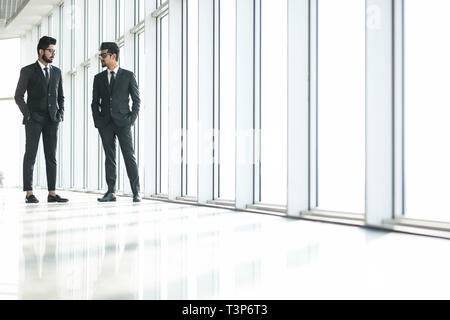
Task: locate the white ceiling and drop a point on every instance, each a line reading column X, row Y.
column 22, row 20
column 9, row 8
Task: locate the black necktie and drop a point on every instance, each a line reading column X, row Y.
column 111, row 81
column 47, row 76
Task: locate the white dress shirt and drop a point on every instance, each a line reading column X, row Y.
column 115, row 72
column 42, row 67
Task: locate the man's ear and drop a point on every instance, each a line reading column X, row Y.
column 41, row 52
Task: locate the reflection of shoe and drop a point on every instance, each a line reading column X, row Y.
column 137, row 198
column 56, row 198
column 31, row 199
column 108, row 197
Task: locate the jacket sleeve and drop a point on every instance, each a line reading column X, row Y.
column 134, row 92
column 20, row 92
column 95, row 105
column 61, row 98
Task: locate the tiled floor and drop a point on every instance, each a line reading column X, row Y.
column 159, row 250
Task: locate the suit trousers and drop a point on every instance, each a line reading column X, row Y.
column 123, row 134
column 33, row 130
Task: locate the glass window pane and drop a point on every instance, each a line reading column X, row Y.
column 190, row 105
column 122, row 17
column 103, row 21
column 341, row 105
column 226, row 109
column 141, row 10
column 426, row 109
column 8, row 88
column 162, row 116
column 139, row 128
column 273, row 106
column 10, row 172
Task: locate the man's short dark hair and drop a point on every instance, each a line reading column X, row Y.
column 45, row 42
column 112, row 48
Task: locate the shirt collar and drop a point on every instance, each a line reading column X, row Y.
column 42, row 66
column 115, row 70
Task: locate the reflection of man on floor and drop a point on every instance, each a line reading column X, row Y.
column 38, row 276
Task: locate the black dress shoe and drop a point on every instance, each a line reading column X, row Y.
column 56, row 198
column 136, row 198
column 31, row 199
column 108, row 197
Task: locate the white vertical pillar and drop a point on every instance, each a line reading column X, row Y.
column 44, row 26
column 66, row 66
column 205, row 100
column 78, row 98
column 110, row 20
column 93, row 168
column 175, row 96
column 313, row 105
column 56, row 34
column 129, row 64
column 38, row 167
column 398, row 110
column 25, row 59
column 298, row 107
column 149, row 113
column 379, row 111
column 244, row 102
column 27, row 53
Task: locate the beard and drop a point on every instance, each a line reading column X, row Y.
column 48, row 60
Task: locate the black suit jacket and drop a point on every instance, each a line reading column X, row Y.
column 113, row 103
column 41, row 100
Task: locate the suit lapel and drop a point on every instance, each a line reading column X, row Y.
column 116, row 79
column 105, row 81
column 40, row 73
column 110, row 90
column 52, row 78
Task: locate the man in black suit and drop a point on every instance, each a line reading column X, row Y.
column 113, row 117
column 42, row 112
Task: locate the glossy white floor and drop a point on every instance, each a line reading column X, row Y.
column 159, row 250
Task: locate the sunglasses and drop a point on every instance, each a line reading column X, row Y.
column 51, row 50
column 103, row 55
